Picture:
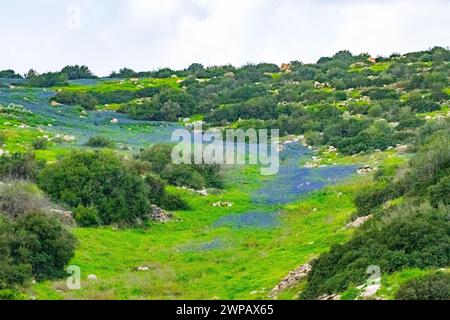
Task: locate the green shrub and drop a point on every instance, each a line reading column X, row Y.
column 172, row 201
column 19, row 166
column 44, row 243
column 40, row 144
column 85, row 100
column 2, row 138
column 87, row 217
column 157, row 188
column 98, row 179
column 77, row 72
column 430, row 165
column 13, row 273
column 370, row 198
column 183, row 176
column 187, row 175
column 46, row 80
column 100, row 142
column 431, row 287
column 406, row 237
column 440, row 193
column 158, row 156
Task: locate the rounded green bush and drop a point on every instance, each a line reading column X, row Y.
column 44, row 243
column 100, row 142
column 87, row 217
column 431, row 287
column 98, row 179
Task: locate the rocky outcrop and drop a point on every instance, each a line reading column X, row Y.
column 358, row 222
column 402, row 149
column 292, row 279
column 159, row 215
column 286, row 67
column 66, row 217
column 223, row 204
column 364, row 170
column 330, row 297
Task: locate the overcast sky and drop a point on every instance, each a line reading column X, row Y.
column 148, row 34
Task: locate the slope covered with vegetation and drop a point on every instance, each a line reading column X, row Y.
column 83, row 159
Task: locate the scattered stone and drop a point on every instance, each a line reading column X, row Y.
column 329, row 297
column 114, row 121
column 159, row 215
column 364, row 170
column 359, row 64
column 203, row 192
column 370, row 291
column 332, row 149
column 394, row 124
column 67, row 138
column 292, row 279
column 66, row 217
column 142, row 269
column 358, row 222
column 55, row 104
column 224, row 204
column 401, row 149
column 230, row 75
column 92, row 277
column 310, row 165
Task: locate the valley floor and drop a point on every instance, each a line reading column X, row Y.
column 198, row 257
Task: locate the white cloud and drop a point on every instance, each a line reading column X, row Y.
column 147, row 34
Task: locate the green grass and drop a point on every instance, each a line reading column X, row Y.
column 377, row 67
column 390, row 283
column 246, row 260
column 380, row 66
column 125, row 84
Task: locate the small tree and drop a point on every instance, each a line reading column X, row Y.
column 98, row 179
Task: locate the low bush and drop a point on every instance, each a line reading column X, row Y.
column 100, row 142
column 19, row 166
column 158, row 156
column 440, row 193
column 40, row 144
column 405, row 237
column 44, row 243
column 183, row 176
column 87, row 217
column 431, row 287
column 12, row 272
column 172, row 201
column 85, row 100
column 370, row 198
column 97, row 179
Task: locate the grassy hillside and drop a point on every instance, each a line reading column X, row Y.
column 363, row 129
